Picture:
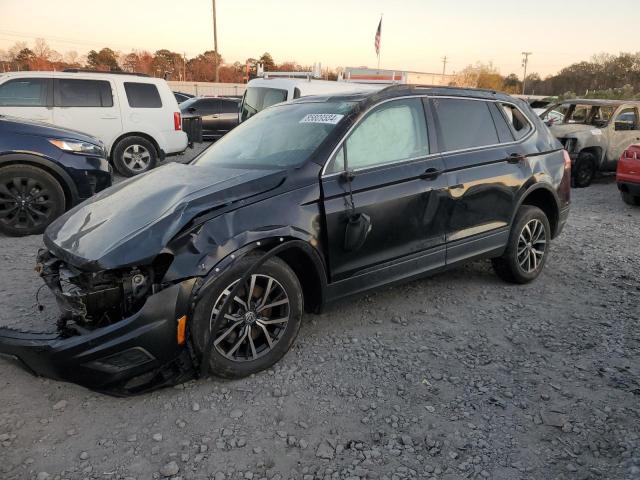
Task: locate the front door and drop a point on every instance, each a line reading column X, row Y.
column 624, row 130
column 399, row 185
column 28, row 98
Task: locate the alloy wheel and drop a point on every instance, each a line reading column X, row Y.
column 532, row 245
column 24, row 203
column 137, row 158
column 256, row 321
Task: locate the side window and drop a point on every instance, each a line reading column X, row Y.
column 82, row 93
column 626, row 120
column 229, row 107
column 24, row 92
column 392, row 132
column 465, row 123
column 209, row 106
column 517, row 121
column 142, row 95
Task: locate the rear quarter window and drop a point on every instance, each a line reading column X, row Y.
column 516, row 120
column 142, row 95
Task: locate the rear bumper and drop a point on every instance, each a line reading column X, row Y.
column 134, row 355
column 631, row 188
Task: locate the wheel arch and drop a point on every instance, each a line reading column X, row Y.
column 597, row 151
column 546, row 199
column 154, row 142
column 300, row 256
column 71, row 196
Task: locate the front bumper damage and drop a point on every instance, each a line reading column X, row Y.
column 134, row 355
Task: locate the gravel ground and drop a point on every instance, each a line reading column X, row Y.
column 455, row 376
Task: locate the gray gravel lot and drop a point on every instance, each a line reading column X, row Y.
column 455, row 376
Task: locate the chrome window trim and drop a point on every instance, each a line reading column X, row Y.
column 323, row 174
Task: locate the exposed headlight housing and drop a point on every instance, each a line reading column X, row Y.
column 75, row 146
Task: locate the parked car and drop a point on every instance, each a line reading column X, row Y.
column 45, row 170
column 595, row 132
column 265, row 92
column 628, row 175
column 219, row 114
column 135, row 116
column 182, row 97
column 357, row 190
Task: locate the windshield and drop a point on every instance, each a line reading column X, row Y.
column 282, row 136
column 577, row 113
column 257, row 99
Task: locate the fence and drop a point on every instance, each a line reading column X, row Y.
column 208, row 88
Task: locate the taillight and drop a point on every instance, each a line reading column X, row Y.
column 177, row 121
column 567, row 161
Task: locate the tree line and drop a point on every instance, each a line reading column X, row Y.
column 162, row 63
column 604, row 76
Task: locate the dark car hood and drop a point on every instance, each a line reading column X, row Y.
column 42, row 129
column 130, row 223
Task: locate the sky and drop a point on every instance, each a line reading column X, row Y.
column 416, row 34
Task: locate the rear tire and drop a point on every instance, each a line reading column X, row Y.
column 134, row 155
column 256, row 352
column 527, row 247
column 584, row 170
column 630, row 199
column 30, row 199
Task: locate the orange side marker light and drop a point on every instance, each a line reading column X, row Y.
column 182, row 330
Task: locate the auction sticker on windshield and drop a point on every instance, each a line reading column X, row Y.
column 330, row 118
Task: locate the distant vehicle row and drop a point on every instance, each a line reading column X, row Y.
column 135, row 116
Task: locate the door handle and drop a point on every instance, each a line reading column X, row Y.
column 215, row 116
column 516, row 158
column 109, row 117
column 430, row 174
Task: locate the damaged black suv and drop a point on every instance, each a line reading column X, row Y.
column 210, row 265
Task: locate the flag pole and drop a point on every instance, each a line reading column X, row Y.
column 380, row 48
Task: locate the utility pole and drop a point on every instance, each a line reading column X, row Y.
column 444, row 65
column 215, row 38
column 525, row 61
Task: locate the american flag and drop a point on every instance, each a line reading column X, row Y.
column 378, row 34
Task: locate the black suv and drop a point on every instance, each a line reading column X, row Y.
column 45, row 170
column 219, row 114
column 305, row 203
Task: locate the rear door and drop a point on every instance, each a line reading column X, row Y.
column 87, row 105
column 486, row 168
column 30, row 98
column 229, row 112
column 209, row 110
column 399, row 184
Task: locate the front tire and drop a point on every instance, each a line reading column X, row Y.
column 30, row 199
column 527, row 248
column 584, row 170
column 630, row 199
column 261, row 325
column 134, row 155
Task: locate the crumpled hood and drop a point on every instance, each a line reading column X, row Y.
column 564, row 130
column 131, row 222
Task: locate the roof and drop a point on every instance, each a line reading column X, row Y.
column 600, row 101
column 75, row 73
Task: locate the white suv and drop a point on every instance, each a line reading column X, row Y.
column 136, row 117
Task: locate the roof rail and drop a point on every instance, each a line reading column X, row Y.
column 86, row 70
column 486, row 90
